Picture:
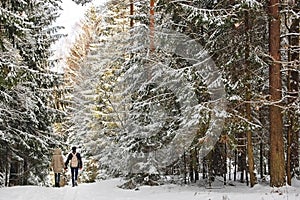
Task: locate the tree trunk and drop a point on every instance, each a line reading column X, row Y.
column 293, row 89
column 235, row 164
column 250, row 153
column 277, row 170
column 225, row 164
column 242, row 157
column 191, row 166
column 184, row 168
column 248, row 104
column 131, row 13
column 7, row 166
column 194, row 173
column 261, row 159
column 152, row 22
column 210, row 175
column 196, row 165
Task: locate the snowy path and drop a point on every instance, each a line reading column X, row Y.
column 107, row 190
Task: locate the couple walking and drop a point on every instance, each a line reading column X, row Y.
column 58, row 164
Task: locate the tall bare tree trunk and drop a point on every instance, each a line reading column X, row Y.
column 248, row 104
column 293, row 89
column 277, row 169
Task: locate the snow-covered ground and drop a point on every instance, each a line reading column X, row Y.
column 108, row 190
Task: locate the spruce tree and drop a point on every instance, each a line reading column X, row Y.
column 26, row 87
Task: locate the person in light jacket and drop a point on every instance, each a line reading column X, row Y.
column 57, row 165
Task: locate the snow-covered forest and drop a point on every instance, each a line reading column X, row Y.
column 153, row 91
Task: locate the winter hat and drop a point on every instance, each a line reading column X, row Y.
column 74, row 149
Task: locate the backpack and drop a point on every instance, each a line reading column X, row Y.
column 74, row 160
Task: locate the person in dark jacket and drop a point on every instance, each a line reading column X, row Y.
column 75, row 163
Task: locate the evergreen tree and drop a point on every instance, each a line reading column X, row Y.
column 26, row 86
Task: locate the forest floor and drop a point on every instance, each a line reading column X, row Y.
column 109, row 190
